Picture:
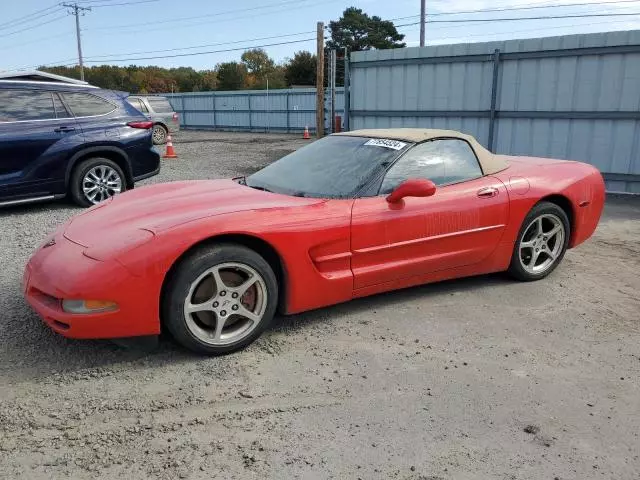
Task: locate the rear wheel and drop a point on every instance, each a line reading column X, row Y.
column 542, row 242
column 159, row 134
column 95, row 180
column 220, row 299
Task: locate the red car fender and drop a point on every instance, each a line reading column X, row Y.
column 313, row 248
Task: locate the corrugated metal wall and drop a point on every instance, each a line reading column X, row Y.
column 574, row 97
column 287, row 110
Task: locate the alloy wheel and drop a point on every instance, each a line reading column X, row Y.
column 159, row 135
column 100, row 183
column 225, row 303
column 541, row 243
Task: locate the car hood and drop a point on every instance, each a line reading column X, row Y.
column 164, row 206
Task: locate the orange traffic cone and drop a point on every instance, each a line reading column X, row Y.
column 170, row 153
column 306, row 135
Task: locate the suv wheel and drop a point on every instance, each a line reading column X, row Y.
column 96, row 180
column 159, row 134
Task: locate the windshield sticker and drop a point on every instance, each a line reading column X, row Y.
column 383, row 142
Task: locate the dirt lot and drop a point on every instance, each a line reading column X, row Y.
column 481, row 378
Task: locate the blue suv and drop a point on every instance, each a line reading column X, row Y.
column 61, row 139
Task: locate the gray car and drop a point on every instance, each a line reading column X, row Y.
column 160, row 112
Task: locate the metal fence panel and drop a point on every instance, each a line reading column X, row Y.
column 289, row 110
column 574, row 96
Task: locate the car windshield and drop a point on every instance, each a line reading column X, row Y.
column 333, row 167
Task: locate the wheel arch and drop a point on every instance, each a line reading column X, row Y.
column 567, row 206
column 255, row 243
column 115, row 154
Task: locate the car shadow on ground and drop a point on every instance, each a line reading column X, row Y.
column 44, row 207
column 45, row 353
column 397, row 297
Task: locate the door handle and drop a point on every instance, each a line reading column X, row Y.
column 64, row 129
column 488, row 192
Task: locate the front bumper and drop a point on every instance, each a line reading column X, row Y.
column 62, row 271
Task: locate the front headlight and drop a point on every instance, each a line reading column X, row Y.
column 88, row 306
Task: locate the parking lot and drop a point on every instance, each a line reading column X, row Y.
column 469, row 379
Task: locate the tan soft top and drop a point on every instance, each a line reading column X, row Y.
column 489, row 162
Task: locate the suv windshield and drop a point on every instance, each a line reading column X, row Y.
column 333, row 167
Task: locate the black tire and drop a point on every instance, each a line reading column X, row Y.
column 550, row 211
column 81, row 170
column 159, row 134
column 189, row 270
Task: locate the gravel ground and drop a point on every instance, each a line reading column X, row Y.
column 470, row 379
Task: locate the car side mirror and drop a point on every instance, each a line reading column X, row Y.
column 412, row 188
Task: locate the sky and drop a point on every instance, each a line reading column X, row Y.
column 40, row 32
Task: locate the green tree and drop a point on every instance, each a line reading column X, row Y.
column 301, row 69
column 260, row 67
column 276, row 78
column 257, row 62
column 185, row 79
column 209, row 80
column 357, row 31
column 231, row 75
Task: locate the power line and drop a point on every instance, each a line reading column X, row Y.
column 124, row 3
column 209, row 22
column 204, row 45
column 33, row 26
column 447, row 27
column 510, row 9
column 201, row 53
column 513, row 19
column 27, row 21
column 37, row 40
column 526, row 30
column 19, row 20
column 56, row 63
column 200, row 17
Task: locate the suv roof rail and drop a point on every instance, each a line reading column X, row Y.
column 36, row 82
column 38, row 76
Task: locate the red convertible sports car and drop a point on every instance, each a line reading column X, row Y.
column 347, row 216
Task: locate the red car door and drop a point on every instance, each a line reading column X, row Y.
column 460, row 225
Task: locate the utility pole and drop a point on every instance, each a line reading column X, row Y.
column 332, row 90
column 423, row 13
column 268, row 107
column 347, row 86
column 77, row 10
column 320, row 82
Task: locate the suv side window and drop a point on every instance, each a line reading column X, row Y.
column 138, row 103
column 21, row 105
column 85, row 105
column 61, row 110
column 441, row 161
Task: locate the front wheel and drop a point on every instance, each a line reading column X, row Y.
column 542, row 242
column 220, row 299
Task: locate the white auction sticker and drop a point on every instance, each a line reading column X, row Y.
column 383, row 142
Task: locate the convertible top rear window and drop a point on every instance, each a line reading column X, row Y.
column 333, row 167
